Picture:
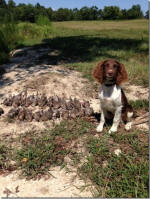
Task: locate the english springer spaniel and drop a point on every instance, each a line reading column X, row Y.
column 113, row 102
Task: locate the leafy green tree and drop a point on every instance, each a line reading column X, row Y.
column 11, row 4
column 84, row 13
column 3, row 4
column 63, row 14
column 111, row 12
column 100, row 14
column 135, row 12
column 124, row 14
column 49, row 13
column 76, row 14
column 147, row 14
column 93, row 12
column 26, row 12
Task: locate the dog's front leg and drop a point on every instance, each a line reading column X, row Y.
column 116, row 120
column 102, row 121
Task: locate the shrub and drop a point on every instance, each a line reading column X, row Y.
column 43, row 21
column 9, row 38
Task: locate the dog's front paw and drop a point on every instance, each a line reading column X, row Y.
column 112, row 130
column 99, row 128
column 128, row 126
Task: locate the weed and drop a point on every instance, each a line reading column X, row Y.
column 43, row 21
column 39, row 154
column 5, row 157
column 140, row 104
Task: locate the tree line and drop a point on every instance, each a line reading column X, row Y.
column 29, row 12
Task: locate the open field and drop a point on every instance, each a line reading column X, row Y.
column 126, row 41
column 68, row 158
column 81, row 45
column 105, row 25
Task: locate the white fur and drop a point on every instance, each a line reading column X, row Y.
column 129, row 123
column 128, row 126
column 110, row 100
column 129, row 114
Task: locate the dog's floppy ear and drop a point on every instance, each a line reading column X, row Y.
column 122, row 75
column 98, row 72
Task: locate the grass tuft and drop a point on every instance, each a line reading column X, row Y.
column 140, row 104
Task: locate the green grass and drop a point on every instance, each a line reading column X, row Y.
column 39, row 152
column 6, row 157
column 34, row 33
column 87, row 43
column 13, row 35
column 126, row 175
column 43, row 21
column 115, row 176
column 140, row 104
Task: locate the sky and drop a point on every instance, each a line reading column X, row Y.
column 55, row 4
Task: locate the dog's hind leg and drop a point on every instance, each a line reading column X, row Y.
column 127, row 116
column 128, row 125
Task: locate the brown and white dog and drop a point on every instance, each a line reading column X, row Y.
column 113, row 102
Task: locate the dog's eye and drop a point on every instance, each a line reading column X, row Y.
column 115, row 66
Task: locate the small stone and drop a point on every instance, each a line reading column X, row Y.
column 117, row 152
column 105, row 164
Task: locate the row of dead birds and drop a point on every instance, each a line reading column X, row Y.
column 55, row 106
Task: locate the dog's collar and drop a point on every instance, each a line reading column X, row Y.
column 109, row 82
column 108, row 85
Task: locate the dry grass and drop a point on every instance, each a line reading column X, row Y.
column 104, row 25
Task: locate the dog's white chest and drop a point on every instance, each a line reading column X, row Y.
column 110, row 97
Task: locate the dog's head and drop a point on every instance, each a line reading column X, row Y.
column 110, row 72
